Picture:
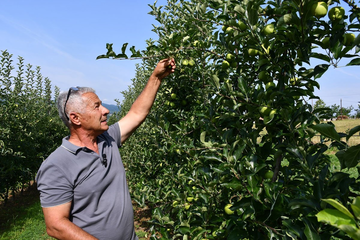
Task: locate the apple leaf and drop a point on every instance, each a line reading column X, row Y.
column 351, row 231
column 320, row 69
column 101, row 56
column 124, row 56
column 338, row 206
column 310, row 234
column 352, row 132
column 292, row 227
column 297, row 203
column 202, row 137
column 349, row 158
column 123, row 49
column 320, row 56
column 357, row 40
column 234, row 184
column 253, row 14
column 353, row 62
column 216, row 81
column 334, row 217
column 135, row 53
column 356, row 207
column 328, row 130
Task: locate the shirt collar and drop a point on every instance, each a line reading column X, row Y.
column 75, row 149
column 71, row 147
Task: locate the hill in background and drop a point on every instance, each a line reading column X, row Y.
column 112, row 108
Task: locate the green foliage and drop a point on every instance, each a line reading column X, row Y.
column 30, row 127
column 339, row 216
column 213, row 145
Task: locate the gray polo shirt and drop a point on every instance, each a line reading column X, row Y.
column 101, row 203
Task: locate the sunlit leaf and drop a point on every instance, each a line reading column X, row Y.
column 334, row 217
column 338, row 206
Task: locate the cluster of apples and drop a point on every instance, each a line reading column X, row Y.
column 229, row 61
column 188, row 62
column 336, row 15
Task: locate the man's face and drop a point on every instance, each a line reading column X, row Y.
column 94, row 117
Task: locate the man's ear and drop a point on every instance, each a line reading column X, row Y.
column 75, row 118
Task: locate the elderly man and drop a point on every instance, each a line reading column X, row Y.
column 82, row 184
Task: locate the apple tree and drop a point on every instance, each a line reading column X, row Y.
column 30, row 127
column 227, row 151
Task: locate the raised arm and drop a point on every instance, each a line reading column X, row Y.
column 142, row 105
column 59, row 226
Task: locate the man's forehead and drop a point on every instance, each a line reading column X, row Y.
column 91, row 97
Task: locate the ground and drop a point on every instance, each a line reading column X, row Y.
column 16, row 212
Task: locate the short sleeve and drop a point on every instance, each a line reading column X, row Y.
column 54, row 187
column 114, row 132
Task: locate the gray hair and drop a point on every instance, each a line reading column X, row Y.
column 75, row 103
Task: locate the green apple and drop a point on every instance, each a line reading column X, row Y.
column 263, row 75
column 242, row 26
column 264, row 111
column 229, row 30
column 269, row 174
column 336, row 13
column 252, row 52
column 191, row 63
column 272, row 113
column 230, row 57
column 349, row 39
column 187, row 206
column 288, row 18
column 183, row 102
column 185, row 62
column 189, row 199
column 269, row 29
column 172, row 104
column 294, row 81
column 173, row 96
column 227, row 209
column 225, row 64
column 269, row 85
column 320, row 9
column 326, row 42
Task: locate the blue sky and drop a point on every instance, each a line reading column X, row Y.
column 65, row 37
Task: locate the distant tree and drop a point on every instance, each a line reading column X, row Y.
column 357, row 113
column 347, row 111
column 335, row 110
column 319, row 104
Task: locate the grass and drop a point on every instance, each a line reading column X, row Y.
column 22, row 218
column 344, row 126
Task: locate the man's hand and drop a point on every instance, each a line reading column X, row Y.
column 142, row 105
column 164, row 68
